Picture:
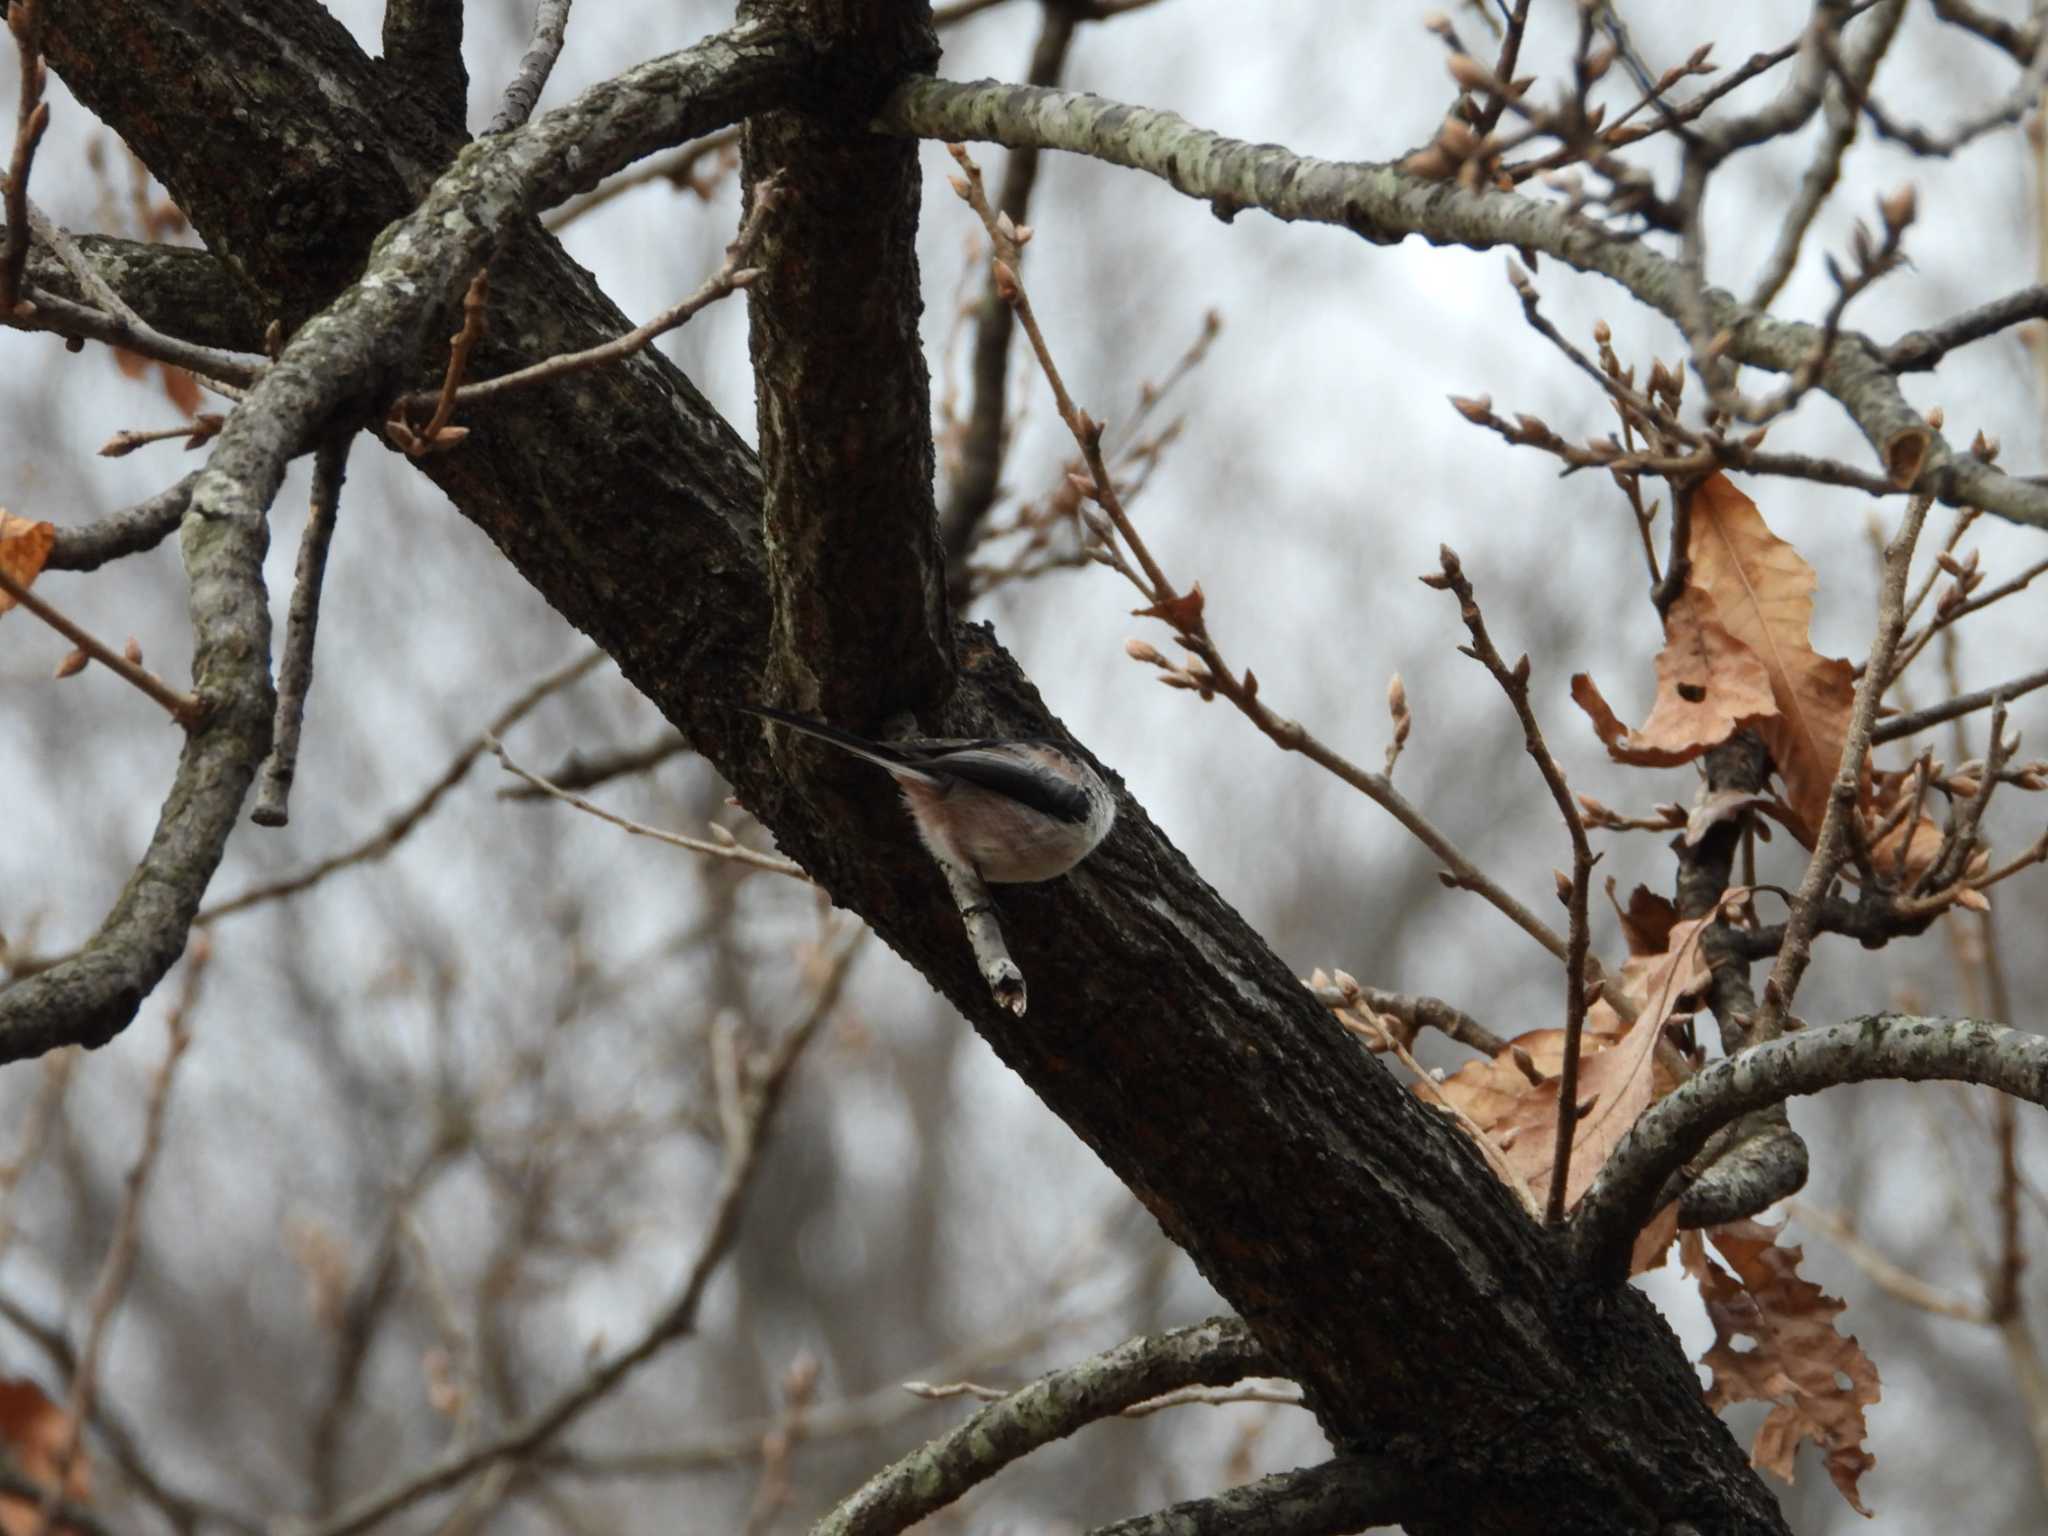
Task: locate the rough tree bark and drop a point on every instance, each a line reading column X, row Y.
column 1365, row 1243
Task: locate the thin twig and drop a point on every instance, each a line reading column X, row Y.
column 437, row 433
column 579, row 772
column 1514, row 682
column 678, row 169
column 1184, row 612
column 1919, row 351
column 222, row 372
column 185, row 708
column 32, row 116
column 735, row 852
column 1955, row 708
column 1830, row 842
column 677, row 1319
column 119, row 1263
column 35, row 1134
column 393, row 831
column 778, row 1445
column 550, row 24
column 1895, row 1282
column 731, row 276
column 197, row 433
column 1845, row 93
column 1504, row 69
column 974, row 483
column 295, row 672
column 1419, row 1013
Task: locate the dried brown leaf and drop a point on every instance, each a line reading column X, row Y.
column 1619, row 1072
column 1646, row 921
column 1763, row 596
column 1798, row 1360
column 24, row 546
column 1708, row 684
column 1653, row 1243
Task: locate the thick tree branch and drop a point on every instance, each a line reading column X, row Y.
column 423, row 55
column 1214, row 1353
column 1384, row 204
column 1348, row 1494
column 632, row 508
column 180, row 291
column 550, row 30
column 88, row 997
column 860, row 625
column 338, row 359
column 1898, row 1046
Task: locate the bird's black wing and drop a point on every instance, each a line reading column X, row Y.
column 1004, row 775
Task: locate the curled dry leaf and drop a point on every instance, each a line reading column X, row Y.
column 1646, row 921
column 1621, row 1071
column 1653, row 1243
column 1716, row 806
column 1910, row 848
column 1709, row 683
column 1762, row 594
column 1798, row 1361
column 24, row 546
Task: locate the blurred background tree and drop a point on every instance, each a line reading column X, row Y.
column 449, row 1125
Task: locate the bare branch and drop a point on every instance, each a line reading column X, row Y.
column 1348, row 1494
column 732, row 276
column 1514, row 682
column 1882, row 1272
column 973, row 488
column 733, row 852
column 1211, row 675
column 1954, row 708
column 1830, row 842
column 1214, row 1353
column 184, row 708
column 295, row 673
column 1919, row 351
column 1382, row 203
column 1843, row 96
column 88, row 997
column 679, row 170
column 389, row 836
column 32, row 117
column 677, row 1320
column 119, row 1263
column 1891, row 1046
column 550, row 25
column 127, row 532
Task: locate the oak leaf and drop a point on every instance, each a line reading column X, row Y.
column 1709, row 683
column 1620, row 1073
column 1762, row 593
column 1646, row 921
column 1798, row 1359
column 24, row 546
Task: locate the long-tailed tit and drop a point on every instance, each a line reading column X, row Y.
column 1009, row 812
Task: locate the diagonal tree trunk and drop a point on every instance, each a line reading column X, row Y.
column 1364, row 1242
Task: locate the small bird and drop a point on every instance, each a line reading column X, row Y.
column 1008, row 811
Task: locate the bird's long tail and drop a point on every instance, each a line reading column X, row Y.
column 874, row 751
